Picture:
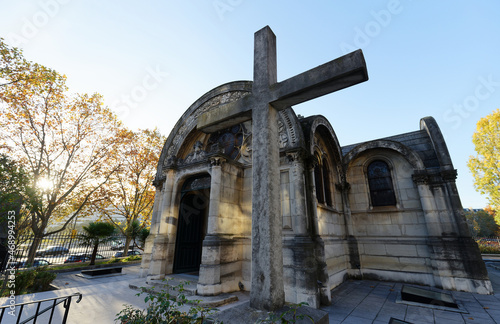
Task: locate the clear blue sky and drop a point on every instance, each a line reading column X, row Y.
column 152, row 59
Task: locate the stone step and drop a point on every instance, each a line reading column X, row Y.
column 156, row 286
column 189, row 284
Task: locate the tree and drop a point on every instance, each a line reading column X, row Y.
column 143, row 235
column 95, row 234
column 129, row 194
column 485, row 166
column 63, row 141
column 137, row 233
column 482, row 223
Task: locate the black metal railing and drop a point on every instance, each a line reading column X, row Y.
column 17, row 309
column 57, row 248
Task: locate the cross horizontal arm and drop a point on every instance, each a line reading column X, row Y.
column 226, row 115
column 335, row 75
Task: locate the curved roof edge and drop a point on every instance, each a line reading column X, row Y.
column 430, row 125
column 309, row 126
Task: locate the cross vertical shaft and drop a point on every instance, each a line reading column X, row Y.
column 267, row 255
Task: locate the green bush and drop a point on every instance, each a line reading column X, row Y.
column 489, row 247
column 24, row 281
column 165, row 307
column 31, row 281
column 43, row 279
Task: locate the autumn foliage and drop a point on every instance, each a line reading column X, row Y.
column 73, row 148
column 128, row 196
column 485, row 166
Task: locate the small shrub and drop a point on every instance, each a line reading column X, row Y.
column 289, row 316
column 165, row 307
column 131, row 258
column 24, row 281
column 489, row 247
column 42, row 281
column 33, row 280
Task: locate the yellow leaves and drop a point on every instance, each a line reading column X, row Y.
column 485, row 166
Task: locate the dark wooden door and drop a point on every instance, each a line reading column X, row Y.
column 190, row 232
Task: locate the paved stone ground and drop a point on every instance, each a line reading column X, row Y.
column 102, row 298
column 360, row 302
column 353, row 302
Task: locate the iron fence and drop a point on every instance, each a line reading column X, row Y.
column 61, row 248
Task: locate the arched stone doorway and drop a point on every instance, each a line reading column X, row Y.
column 192, row 224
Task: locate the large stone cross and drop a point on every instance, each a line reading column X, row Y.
column 261, row 106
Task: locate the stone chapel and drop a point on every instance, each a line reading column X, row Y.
column 386, row 209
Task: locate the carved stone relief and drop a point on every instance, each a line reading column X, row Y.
column 190, row 122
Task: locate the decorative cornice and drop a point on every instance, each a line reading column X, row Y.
column 434, row 177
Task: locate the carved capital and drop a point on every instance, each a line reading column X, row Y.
column 170, row 162
column 217, row 161
column 343, row 186
column 295, row 157
column 158, row 182
column 311, row 162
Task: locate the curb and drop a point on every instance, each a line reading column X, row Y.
column 97, row 266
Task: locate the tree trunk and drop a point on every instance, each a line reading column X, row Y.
column 94, row 253
column 127, row 243
column 34, row 246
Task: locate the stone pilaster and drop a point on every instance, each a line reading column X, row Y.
column 352, row 243
column 455, row 257
column 148, row 246
column 163, row 244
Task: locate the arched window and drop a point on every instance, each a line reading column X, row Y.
column 326, row 183
column 380, row 183
column 322, row 181
column 318, row 180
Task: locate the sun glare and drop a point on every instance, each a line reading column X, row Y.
column 44, row 184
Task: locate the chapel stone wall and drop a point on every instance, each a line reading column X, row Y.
column 392, row 240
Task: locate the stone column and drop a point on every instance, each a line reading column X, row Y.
column 299, row 206
column 300, row 264
column 209, row 282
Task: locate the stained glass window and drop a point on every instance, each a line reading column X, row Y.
column 380, row 182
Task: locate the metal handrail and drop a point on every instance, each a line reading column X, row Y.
column 66, row 300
